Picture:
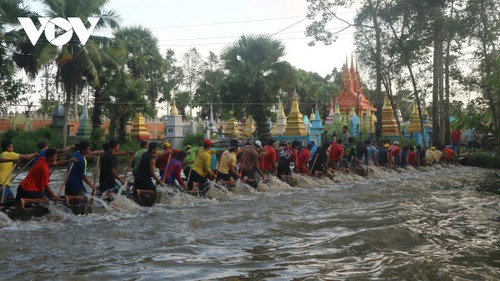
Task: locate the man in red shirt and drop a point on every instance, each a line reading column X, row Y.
column 455, row 140
column 304, row 156
column 32, row 188
column 336, row 154
column 268, row 160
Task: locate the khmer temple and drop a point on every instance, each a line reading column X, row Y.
column 351, row 96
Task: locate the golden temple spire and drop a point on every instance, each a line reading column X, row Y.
column 174, row 111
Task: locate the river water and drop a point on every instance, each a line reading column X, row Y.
column 429, row 224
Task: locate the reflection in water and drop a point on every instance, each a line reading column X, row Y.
column 429, row 224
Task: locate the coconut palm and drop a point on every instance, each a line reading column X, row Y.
column 75, row 62
column 255, row 75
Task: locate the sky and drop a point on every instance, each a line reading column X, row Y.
column 212, row 25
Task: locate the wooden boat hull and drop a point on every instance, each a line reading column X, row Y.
column 147, row 200
column 81, row 208
column 31, row 211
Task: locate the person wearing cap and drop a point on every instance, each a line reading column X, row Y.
column 201, row 166
column 267, row 161
column 227, row 167
column 146, row 172
column 43, row 146
column 250, row 163
column 383, row 156
column 303, row 159
column 287, row 156
column 9, row 157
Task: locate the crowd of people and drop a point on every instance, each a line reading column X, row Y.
column 194, row 167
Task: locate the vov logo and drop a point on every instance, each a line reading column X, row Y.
column 49, row 26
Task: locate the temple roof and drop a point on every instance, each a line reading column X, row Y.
column 352, row 87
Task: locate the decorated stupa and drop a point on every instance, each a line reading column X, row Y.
column 232, row 129
column 389, row 124
column 279, row 127
column 84, row 130
column 295, row 124
column 139, row 130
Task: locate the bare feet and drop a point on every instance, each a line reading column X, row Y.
column 23, row 202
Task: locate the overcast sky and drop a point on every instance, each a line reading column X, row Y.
column 212, row 25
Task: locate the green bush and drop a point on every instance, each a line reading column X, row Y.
column 26, row 142
column 194, row 139
column 482, row 159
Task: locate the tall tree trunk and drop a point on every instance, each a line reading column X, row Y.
column 437, row 11
column 97, row 113
column 378, row 67
column 419, row 106
column 446, row 105
column 122, row 123
column 67, row 105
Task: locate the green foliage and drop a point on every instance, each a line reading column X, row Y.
column 130, row 144
column 10, row 134
column 482, row 159
column 193, row 139
column 97, row 138
column 26, row 142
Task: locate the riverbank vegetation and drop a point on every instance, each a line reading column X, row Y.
column 413, row 51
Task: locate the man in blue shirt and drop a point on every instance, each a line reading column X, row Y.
column 74, row 188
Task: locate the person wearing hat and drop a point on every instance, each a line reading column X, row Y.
column 227, row 167
column 383, row 156
column 303, row 160
column 268, row 160
column 201, row 167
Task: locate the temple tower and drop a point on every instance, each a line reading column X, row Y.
column 139, row 130
column 295, row 124
column 232, row 129
column 174, row 130
column 84, row 130
column 316, row 128
column 279, row 128
column 389, row 124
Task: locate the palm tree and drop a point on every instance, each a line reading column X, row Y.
column 143, row 59
column 75, row 62
column 255, row 76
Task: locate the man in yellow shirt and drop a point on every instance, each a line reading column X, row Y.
column 6, row 167
column 227, row 167
column 201, row 167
